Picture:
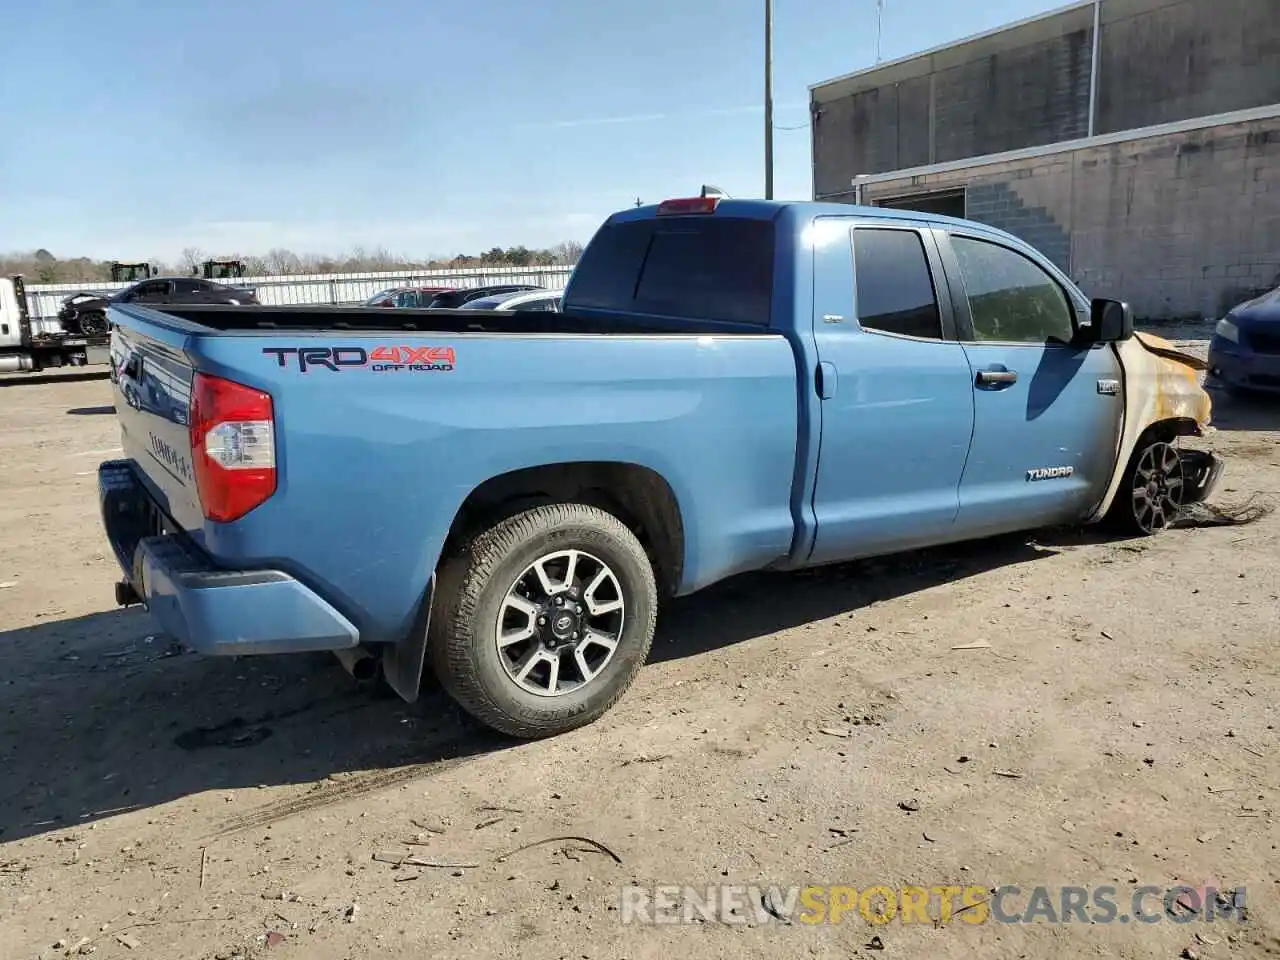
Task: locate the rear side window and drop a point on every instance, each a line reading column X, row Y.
column 894, row 286
column 691, row 268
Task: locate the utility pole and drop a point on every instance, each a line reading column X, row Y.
column 1094, row 67
column 768, row 99
column 879, row 25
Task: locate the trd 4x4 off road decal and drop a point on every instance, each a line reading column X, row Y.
column 380, row 359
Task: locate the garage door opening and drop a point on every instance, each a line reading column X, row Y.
column 943, row 203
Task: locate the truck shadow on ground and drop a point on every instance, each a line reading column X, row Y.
column 30, row 379
column 100, row 716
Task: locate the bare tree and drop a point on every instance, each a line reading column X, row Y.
column 281, row 262
column 191, row 259
column 567, row 253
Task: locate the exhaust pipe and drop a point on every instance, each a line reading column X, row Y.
column 358, row 662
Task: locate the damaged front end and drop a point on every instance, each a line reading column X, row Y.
column 1164, row 401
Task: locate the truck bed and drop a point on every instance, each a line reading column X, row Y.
column 318, row 319
column 385, row 422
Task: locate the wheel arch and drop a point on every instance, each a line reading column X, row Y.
column 1167, row 430
column 637, row 495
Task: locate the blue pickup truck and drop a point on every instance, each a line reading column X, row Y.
column 505, row 498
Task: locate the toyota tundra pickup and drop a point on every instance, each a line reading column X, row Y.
column 733, row 385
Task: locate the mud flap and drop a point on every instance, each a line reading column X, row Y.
column 402, row 662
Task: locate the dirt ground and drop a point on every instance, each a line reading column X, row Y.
column 823, row 728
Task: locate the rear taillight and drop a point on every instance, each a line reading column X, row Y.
column 232, row 446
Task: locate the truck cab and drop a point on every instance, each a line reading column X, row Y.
column 222, row 269
column 122, row 272
column 15, row 324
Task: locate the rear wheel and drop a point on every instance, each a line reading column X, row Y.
column 1150, row 498
column 544, row 620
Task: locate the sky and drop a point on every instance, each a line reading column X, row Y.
column 137, row 129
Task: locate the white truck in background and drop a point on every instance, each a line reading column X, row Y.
column 38, row 344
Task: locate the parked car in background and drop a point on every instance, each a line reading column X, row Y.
column 452, row 299
column 544, row 301
column 733, row 385
column 405, row 296
column 1244, row 354
column 86, row 313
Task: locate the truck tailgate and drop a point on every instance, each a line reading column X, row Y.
column 152, row 380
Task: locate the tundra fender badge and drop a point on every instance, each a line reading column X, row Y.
column 1109, row 387
column 1049, row 473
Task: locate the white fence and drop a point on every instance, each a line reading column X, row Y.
column 44, row 299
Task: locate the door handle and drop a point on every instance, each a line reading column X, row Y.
column 826, row 379
column 997, row 378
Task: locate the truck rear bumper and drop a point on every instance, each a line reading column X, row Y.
column 209, row 609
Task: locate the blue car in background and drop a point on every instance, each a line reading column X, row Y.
column 1244, row 354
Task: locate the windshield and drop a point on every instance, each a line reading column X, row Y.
column 383, row 294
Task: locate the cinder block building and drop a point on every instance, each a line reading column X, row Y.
column 1134, row 142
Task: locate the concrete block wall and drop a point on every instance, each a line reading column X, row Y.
column 1025, row 97
column 1183, row 225
column 1160, row 61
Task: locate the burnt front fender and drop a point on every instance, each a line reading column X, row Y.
column 1163, row 397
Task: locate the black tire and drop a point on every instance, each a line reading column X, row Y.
column 473, row 586
column 1155, row 461
column 93, row 324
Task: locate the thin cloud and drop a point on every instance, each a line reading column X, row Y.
column 654, row 117
column 594, row 122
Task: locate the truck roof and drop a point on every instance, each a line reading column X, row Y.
column 801, row 209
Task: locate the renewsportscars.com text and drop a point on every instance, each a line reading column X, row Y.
column 942, row 903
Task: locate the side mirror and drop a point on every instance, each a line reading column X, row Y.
column 1111, row 321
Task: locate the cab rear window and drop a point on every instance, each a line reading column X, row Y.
column 695, row 268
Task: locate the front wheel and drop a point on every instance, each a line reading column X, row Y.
column 544, row 620
column 1150, row 498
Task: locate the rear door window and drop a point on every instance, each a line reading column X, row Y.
column 695, row 268
column 894, row 287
